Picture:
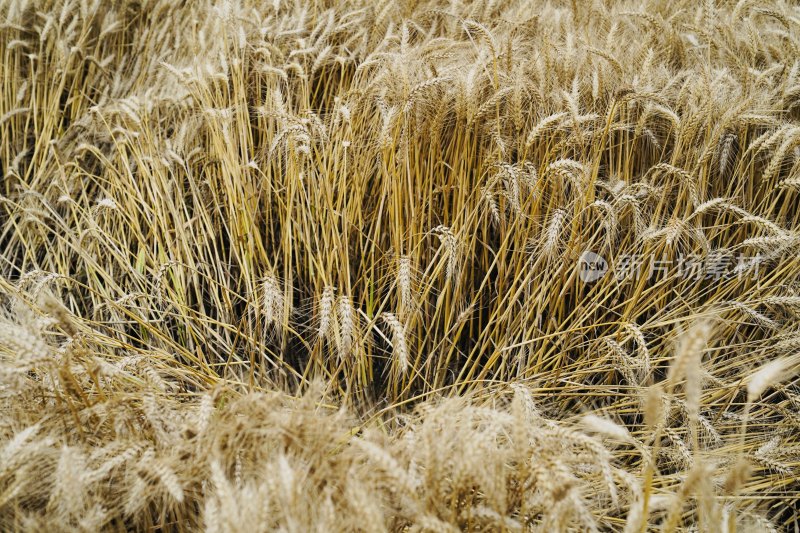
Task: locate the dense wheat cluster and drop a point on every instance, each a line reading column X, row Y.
column 321, row 265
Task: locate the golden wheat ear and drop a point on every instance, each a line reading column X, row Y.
column 325, row 266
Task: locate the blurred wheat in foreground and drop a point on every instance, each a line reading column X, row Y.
column 319, row 265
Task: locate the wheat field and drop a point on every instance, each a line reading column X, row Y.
column 417, row 265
